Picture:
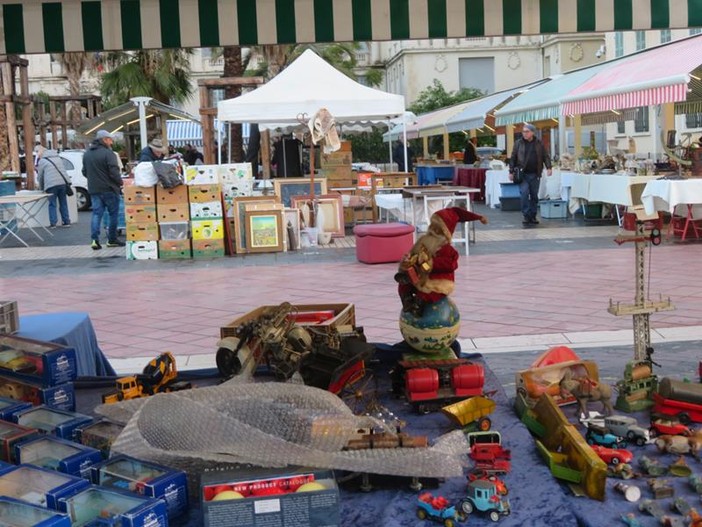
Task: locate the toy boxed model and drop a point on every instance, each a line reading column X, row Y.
column 283, row 497
column 8, row 407
column 58, row 454
column 10, row 435
column 17, row 513
column 45, row 363
column 100, row 507
column 39, row 486
column 61, row 396
column 100, row 435
column 146, row 479
column 52, row 421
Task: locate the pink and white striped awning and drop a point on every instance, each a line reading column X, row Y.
column 655, row 76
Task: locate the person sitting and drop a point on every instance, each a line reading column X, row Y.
column 154, row 151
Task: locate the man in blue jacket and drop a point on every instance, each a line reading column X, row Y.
column 104, row 186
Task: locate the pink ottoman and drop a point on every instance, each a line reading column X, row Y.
column 383, row 242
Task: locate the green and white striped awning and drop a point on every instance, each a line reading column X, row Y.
column 33, row 26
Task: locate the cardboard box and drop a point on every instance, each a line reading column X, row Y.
column 233, row 172
column 139, row 195
column 140, row 213
column 231, row 190
column 10, row 435
column 60, row 423
column 20, row 514
column 61, row 396
column 146, row 479
column 338, row 315
column 39, row 486
column 173, row 195
column 142, row 250
column 204, row 193
column 99, row 507
column 100, row 435
column 263, row 497
column 9, row 407
column 202, row 175
column 174, row 249
column 58, row 454
column 9, row 316
column 207, row 229
column 335, row 159
column 334, row 174
column 36, row 361
column 208, row 248
column 206, row 210
column 142, row 232
column 171, row 212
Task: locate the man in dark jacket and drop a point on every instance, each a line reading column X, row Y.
column 398, row 156
column 154, row 151
column 530, row 156
column 104, row 186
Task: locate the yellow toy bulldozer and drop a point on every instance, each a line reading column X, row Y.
column 158, row 376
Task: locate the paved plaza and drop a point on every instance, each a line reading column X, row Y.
column 518, row 290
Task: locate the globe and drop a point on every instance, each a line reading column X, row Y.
column 435, row 330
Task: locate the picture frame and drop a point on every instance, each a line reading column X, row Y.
column 333, row 207
column 264, row 231
column 286, row 188
column 239, row 208
column 291, row 226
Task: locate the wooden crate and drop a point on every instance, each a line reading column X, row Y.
column 344, row 315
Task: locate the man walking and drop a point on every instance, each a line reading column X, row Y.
column 104, row 186
column 530, row 156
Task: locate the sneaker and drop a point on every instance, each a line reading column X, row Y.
column 96, row 245
column 116, row 243
column 534, row 221
column 52, row 226
column 526, row 223
column 66, row 225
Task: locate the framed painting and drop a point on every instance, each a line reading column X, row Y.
column 287, row 188
column 239, row 210
column 332, row 210
column 264, row 231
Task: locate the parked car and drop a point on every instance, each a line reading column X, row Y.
column 73, row 161
column 612, row 456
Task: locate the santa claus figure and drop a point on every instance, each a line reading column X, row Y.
column 426, row 273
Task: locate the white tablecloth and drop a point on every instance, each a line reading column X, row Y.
column 556, row 186
column 666, row 194
column 609, row 188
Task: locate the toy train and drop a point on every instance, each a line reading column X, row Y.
column 430, row 384
column 682, row 400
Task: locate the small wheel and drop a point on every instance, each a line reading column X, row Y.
column 484, row 424
column 615, row 461
column 228, row 363
column 590, row 441
column 421, row 514
column 684, row 419
column 495, row 516
column 640, row 441
column 82, row 199
column 467, row 507
column 653, row 432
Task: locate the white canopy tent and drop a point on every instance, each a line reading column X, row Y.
column 302, row 89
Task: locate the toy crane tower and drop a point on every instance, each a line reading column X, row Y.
column 639, row 382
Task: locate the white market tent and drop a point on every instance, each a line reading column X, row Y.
column 305, row 86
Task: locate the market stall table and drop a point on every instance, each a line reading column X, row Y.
column 668, row 194
column 616, row 189
column 23, row 210
column 73, row 330
column 555, row 185
column 469, row 176
column 431, row 174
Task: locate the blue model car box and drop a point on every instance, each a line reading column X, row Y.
column 100, row 434
column 101, row 507
column 9, row 407
column 39, row 486
column 61, row 396
column 292, row 497
column 147, row 479
column 44, row 363
column 58, row 454
column 17, row 513
column 60, row 423
column 10, row 435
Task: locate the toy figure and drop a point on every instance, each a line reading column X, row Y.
column 426, row 274
column 584, row 390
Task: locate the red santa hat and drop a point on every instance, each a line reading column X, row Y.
column 452, row 216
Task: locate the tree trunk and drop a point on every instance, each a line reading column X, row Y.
column 233, row 68
column 5, row 163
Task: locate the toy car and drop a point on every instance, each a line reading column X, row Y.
column 613, row 456
column 483, row 496
column 499, row 484
column 662, row 426
column 487, row 452
column 599, row 436
column 437, row 509
column 627, row 426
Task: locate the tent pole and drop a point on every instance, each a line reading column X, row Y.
column 219, row 144
column 229, row 143
column 404, row 141
column 389, row 143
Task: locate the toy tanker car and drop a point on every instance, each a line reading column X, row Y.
column 682, row 400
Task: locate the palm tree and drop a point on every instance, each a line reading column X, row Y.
column 233, row 67
column 161, row 74
column 73, row 65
